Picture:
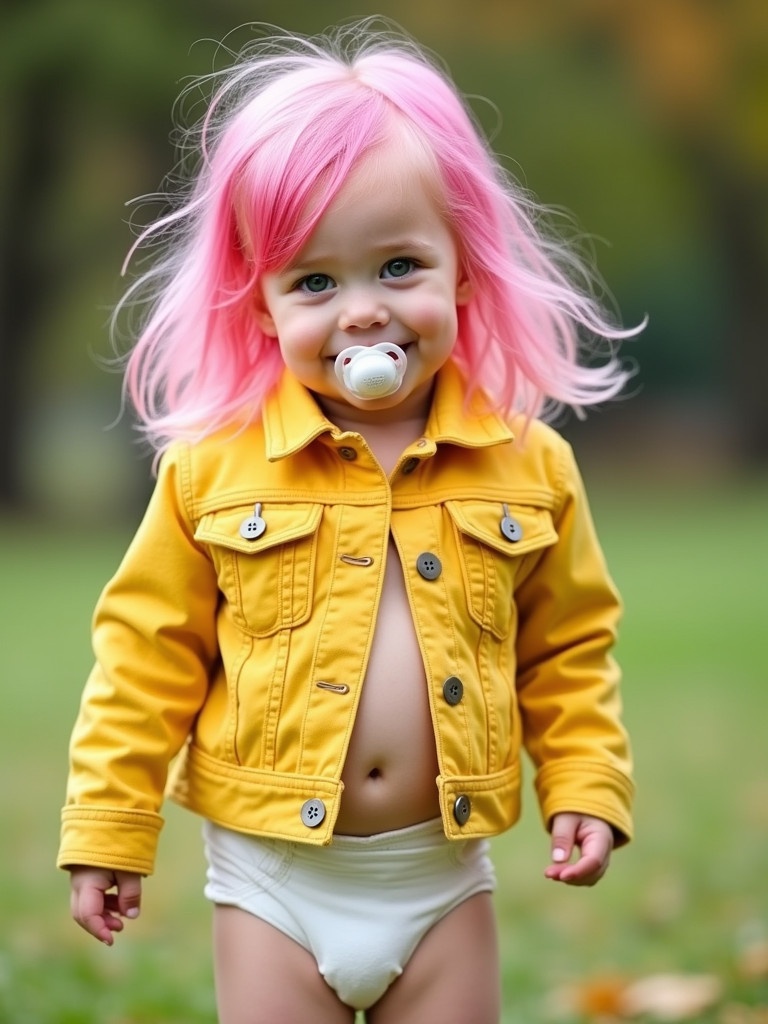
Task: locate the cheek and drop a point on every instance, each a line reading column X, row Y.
column 436, row 315
column 301, row 337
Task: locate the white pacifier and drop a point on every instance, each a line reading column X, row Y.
column 373, row 372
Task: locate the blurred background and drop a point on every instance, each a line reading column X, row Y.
column 647, row 120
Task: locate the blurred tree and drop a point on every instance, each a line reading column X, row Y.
column 700, row 72
column 61, row 66
column 85, row 94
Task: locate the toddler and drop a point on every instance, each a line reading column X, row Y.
column 367, row 579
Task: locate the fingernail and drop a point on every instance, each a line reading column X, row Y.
column 558, row 855
column 132, row 912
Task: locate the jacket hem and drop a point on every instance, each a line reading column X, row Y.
column 254, row 801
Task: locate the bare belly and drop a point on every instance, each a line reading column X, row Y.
column 389, row 775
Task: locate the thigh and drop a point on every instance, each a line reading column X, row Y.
column 263, row 976
column 453, row 976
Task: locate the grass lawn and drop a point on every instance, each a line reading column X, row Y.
column 688, row 897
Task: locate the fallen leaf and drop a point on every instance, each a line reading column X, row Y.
column 739, row 1013
column 600, row 997
column 671, row 997
column 752, row 960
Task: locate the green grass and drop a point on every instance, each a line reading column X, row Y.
column 686, row 896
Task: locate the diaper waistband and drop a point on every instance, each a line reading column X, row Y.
column 424, row 833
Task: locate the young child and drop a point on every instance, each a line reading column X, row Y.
column 367, row 578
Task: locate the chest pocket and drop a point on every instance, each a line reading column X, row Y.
column 492, row 563
column 269, row 581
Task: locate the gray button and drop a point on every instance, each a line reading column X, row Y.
column 428, row 565
column 348, row 454
column 312, row 813
column 409, row 465
column 253, row 527
column 510, row 527
column 453, row 690
column 462, row 808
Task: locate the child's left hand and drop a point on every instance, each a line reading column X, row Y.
column 594, row 840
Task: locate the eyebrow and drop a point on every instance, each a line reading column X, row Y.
column 397, row 245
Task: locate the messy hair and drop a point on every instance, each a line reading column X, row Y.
column 286, row 124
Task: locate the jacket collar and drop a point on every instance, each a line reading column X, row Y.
column 293, row 419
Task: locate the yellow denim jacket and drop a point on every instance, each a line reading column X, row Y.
column 236, row 631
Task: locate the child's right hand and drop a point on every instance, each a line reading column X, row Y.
column 95, row 908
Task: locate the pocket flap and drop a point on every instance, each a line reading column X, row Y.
column 284, row 524
column 482, row 520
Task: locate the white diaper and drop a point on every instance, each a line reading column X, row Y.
column 360, row 906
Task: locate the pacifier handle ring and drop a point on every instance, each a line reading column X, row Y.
column 371, row 372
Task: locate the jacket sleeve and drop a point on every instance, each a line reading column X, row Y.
column 567, row 681
column 154, row 639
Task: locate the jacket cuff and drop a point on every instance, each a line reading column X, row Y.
column 587, row 787
column 119, row 840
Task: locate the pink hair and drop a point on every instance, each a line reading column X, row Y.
column 288, row 123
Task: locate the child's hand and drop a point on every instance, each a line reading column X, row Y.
column 594, row 840
column 95, row 908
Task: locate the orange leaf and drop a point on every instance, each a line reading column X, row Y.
column 601, row 997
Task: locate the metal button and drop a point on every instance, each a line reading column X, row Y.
column 253, row 527
column 312, row 813
column 348, row 454
column 462, row 808
column 409, row 465
column 510, row 527
column 428, row 565
column 453, row 690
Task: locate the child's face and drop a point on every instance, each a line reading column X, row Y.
column 381, row 266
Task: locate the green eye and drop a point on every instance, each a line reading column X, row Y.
column 316, row 283
column 400, row 267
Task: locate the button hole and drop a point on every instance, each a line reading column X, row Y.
column 354, row 560
column 321, row 684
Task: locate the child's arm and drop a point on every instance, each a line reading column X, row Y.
column 98, row 910
column 155, row 641
column 567, row 685
column 594, row 840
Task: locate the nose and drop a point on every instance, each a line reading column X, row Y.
column 362, row 310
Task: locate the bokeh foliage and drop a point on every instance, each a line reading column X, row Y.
column 648, row 120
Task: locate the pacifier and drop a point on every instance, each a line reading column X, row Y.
column 371, row 372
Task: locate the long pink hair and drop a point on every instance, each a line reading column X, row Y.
column 287, row 123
